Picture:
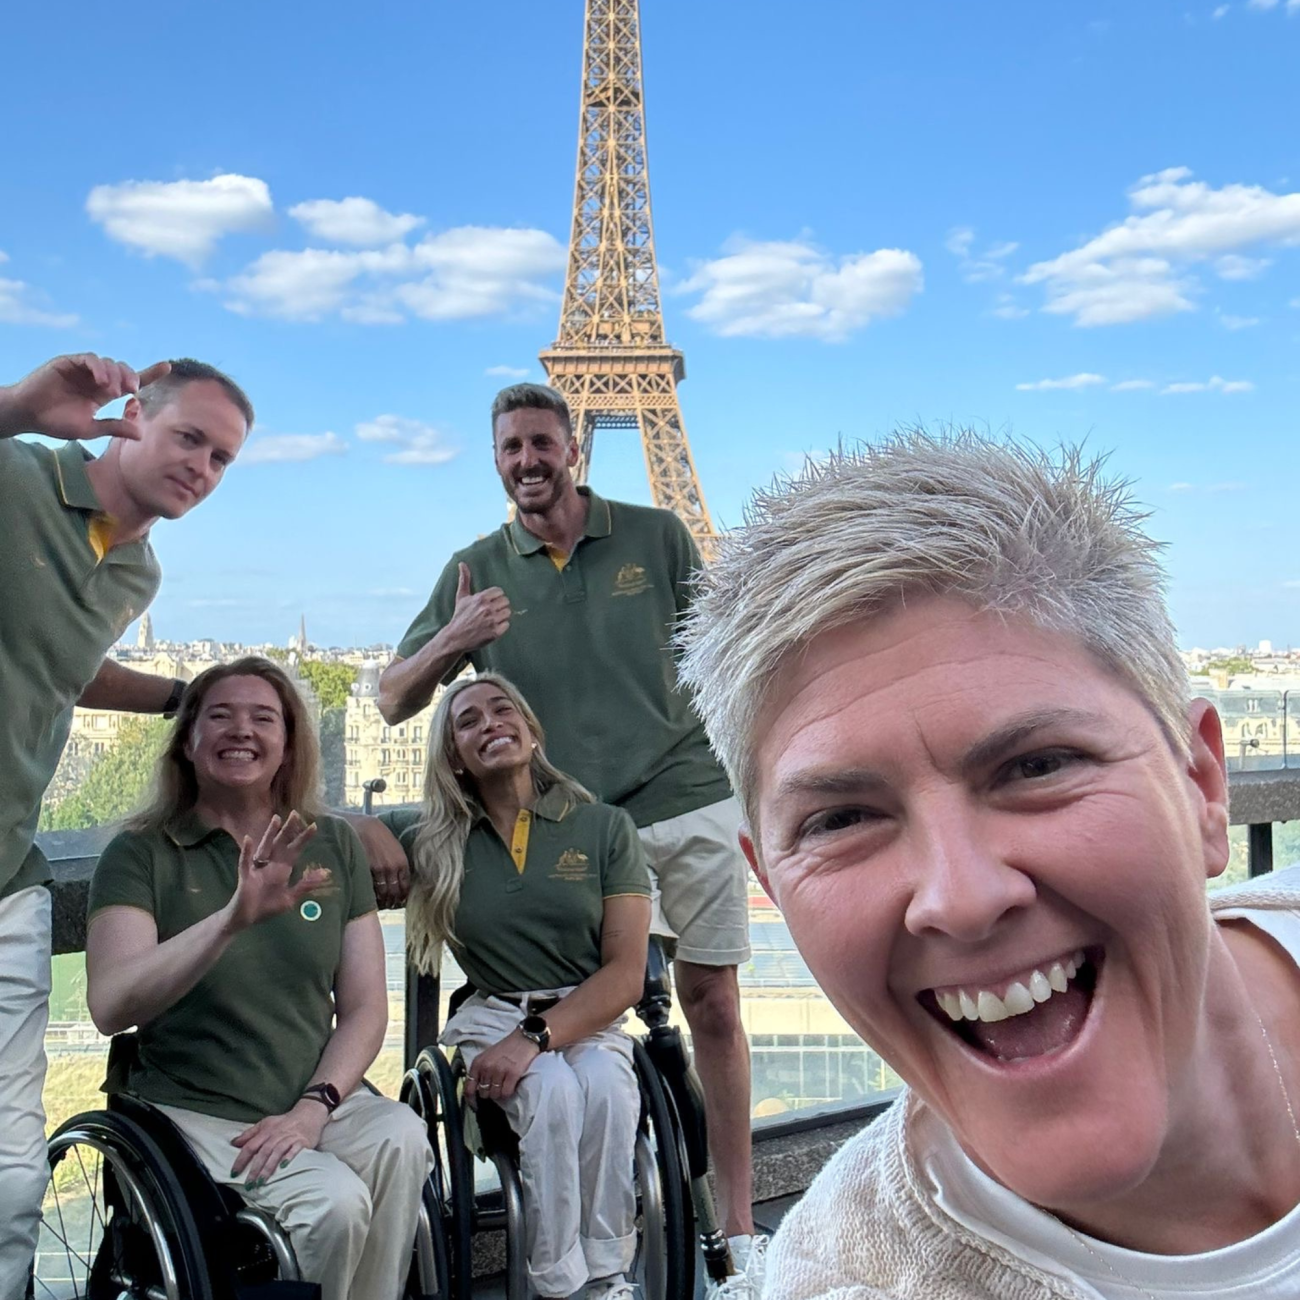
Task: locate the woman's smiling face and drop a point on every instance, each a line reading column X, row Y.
column 967, row 816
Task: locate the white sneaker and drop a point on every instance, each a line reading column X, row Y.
column 613, row 1288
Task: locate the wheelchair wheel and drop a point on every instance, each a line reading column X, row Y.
column 665, row 1259
column 115, row 1223
column 430, row 1089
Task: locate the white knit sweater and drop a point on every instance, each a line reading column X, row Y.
column 869, row 1228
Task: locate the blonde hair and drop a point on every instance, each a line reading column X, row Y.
column 296, row 786
column 438, row 853
column 1008, row 528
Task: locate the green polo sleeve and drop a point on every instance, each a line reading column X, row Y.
column 684, row 563
column 123, row 876
column 403, row 823
column 623, row 867
column 435, row 615
column 355, row 868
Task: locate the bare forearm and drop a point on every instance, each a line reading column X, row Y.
column 133, row 991
column 352, row 1047
column 12, row 419
column 595, row 1003
column 128, row 691
column 407, row 685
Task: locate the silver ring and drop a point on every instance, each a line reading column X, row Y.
column 261, row 862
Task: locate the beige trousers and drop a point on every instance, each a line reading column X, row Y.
column 576, row 1113
column 350, row 1206
column 24, row 1011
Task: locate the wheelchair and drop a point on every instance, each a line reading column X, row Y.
column 674, row 1204
column 130, row 1211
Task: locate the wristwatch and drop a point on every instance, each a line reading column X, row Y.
column 174, row 699
column 325, row 1093
column 537, row 1031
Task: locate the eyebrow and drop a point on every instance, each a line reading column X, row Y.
column 844, row 781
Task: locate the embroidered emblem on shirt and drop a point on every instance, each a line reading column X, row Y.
column 310, row 910
column 630, row 581
column 572, row 864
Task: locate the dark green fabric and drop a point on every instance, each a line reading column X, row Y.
column 589, row 647
column 62, row 611
column 539, row 928
column 243, row 1043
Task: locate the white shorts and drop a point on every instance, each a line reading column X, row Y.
column 700, row 884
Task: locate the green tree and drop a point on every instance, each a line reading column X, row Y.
column 117, row 781
column 1236, row 664
column 331, row 682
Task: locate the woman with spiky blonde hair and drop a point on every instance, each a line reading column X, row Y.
column 544, row 898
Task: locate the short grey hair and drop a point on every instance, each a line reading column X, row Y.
column 1011, row 529
column 530, row 397
column 185, row 371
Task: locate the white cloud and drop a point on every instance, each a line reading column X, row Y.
column 1219, row 12
column 1007, row 308
column 469, row 271
column 507, row 372
column 417, row 443
column 1237, row 322
column 180, row 219
column 1132, row 385
column 1181, row 487
column 984, row 266
column 1138, row 268
column 1261, row 4
column 786, row 289
column 1295, row 302
column 1084, row 380
column 280, row 448
column 959, row 240
column 353, row 221
column 1233, row 486
column 1232, row 266
column 20, row 304
column 4, row 257
column 1215, row 384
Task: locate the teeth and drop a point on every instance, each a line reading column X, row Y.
column 1019, row 999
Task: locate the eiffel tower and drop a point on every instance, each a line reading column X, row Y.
column 611, row 359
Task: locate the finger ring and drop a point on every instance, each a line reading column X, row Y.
column 261, row 862
column 494, row 1085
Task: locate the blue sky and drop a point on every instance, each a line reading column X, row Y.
column 1067, row 221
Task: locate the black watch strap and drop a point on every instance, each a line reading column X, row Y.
column 175, row 698
column 325, row 1093
column 537, row 1031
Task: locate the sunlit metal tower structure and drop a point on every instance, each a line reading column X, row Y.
column 611, row 359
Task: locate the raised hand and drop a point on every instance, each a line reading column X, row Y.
column 480, row 617
column 264, row 889
column 60, row 398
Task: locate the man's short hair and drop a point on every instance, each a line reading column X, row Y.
column 530, row 397
column 1010, row 529
column 185, row 370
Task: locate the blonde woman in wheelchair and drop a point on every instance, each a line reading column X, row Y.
column 235, row 924
column 544, row 896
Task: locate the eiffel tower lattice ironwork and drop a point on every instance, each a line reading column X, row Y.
column 611, row 359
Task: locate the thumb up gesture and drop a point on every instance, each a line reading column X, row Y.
column 480, row 617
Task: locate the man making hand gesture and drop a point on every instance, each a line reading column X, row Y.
column 575, row 601
column 76, row 568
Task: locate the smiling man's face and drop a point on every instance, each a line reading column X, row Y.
column 961, row 814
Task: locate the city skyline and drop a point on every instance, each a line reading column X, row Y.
column 1034, row 220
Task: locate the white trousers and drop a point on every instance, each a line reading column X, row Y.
column 24, row 1013
column 350, row 1206
column 575, row 1112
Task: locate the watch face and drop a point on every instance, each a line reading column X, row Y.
column 534, row 1025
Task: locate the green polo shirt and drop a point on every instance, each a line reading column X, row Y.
column 531, row 918
column 589, row 645
column 244, row 1041
column 63, row 607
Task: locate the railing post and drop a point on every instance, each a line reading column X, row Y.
column 1260, row 848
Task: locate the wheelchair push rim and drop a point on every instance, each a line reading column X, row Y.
column 114, row 1223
